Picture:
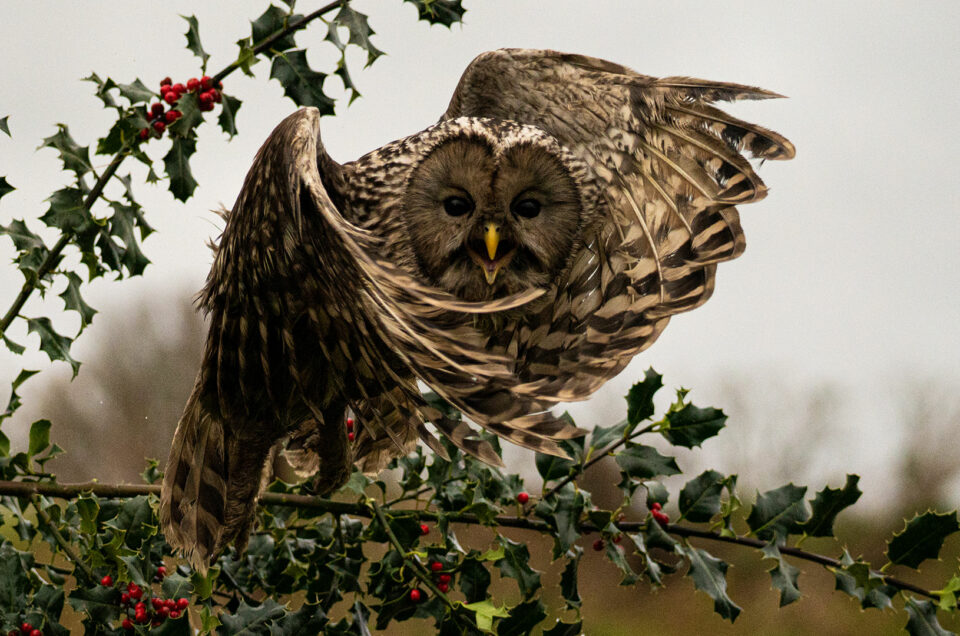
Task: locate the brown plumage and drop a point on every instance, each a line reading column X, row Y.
column 515, row 255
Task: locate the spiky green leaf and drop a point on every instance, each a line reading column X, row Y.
column 177, row 164
column 640, row 397
column 5, row 187
column 778, row 513
column 828, row 503
column 700, row 497
column 689, row 425
column 301, row 83
column 75, row 158
column 921, row 538
column 709, row 575
column 56, row 347
column 193, row 39
column 444, row 12
column 228, row 114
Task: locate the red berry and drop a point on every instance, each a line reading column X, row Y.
column 164, row 611
column 127, row 623
column 156, row 108
column 598, row 545
column 144, row 133
column 159, row 126
column 164, row 89
column 206, row 106
column 205, row 97
column 216, row 95
column 26, row 628
column 523, row 497
column 206, row 82
column 171, row 116
column 443, row 587
column 415, row 596
column 156, row 602
column 349, row 423
column 124, row 598
column 661, row 518
column 174, row 614
column 162, row 571
column 179, row 88
column 166, row 81
column 436, row 566
column 140, row 607
column 424, row 528
column 192, row 84
column 106, row 581
column 182, row 603
column 655, row 506
column 351, row 436
column 618, row 538
column 170, row 603
column 36, row 632
column 170, row 97
column 141, row 617
column 444, row 578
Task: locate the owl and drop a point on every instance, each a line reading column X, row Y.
column 516, row 254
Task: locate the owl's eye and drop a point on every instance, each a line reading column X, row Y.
column 527, row 208
column 457, row 206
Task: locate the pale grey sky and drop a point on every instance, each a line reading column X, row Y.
column 852, row 269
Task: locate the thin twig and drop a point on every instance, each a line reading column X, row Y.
column 64, row 544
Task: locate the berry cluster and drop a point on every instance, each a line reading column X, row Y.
column 203, row 88
column 350, row 434
column 656, row 510
column 134, row 604
column 26, row 629
column 442, row 579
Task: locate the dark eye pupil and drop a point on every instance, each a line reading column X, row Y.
column 527, row 208
column 457, row 206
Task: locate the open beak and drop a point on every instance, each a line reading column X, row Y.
column 491, row 237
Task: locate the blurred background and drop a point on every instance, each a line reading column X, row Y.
column 832, row 344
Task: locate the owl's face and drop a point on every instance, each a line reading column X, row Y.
column 487, row 220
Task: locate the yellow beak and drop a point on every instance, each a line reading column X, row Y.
column 491, row 237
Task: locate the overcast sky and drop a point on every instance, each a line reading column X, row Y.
column 852, row 270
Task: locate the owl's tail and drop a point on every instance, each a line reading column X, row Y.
column 211, row 484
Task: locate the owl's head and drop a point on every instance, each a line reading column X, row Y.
column 493, row 208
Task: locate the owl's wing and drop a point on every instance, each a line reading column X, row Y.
column 670, row 169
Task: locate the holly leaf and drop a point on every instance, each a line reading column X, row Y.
column 784, row 576
column 75, row 158
column 564, row 629
column 700, row 497
column 103, row 89
column 689, row 426
column 123, row 224
column 778, row 513
column 99, row 602
column 31, row 249
column 272, row 20
column 193, row 40
column 640, row 397
column 515, row 565
column 568, row 579
column 552, row 467
column 523, row 618
column 4, row 126
column 39, row 437
column 474, row 579
column 644, row 462
column 360, row 31
column 709, row 575
column 923, row 619
column 15, row 401
column 859, row 581
column 177, row 164
column 251, row 619
column 5, row 187
column 616, row 556
column 136, row 92
column 246, row 58
column 56, row 347
column 301, row 83
column 921, row 538
column 444, row 12
column 484, row 613
column 67, row 212
column 228, row 114
column 828, row 503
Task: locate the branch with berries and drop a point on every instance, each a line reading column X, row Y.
column 315, row 546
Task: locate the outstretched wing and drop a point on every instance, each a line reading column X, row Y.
column 670, row 168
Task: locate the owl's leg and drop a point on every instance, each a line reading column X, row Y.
column 333, row 448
